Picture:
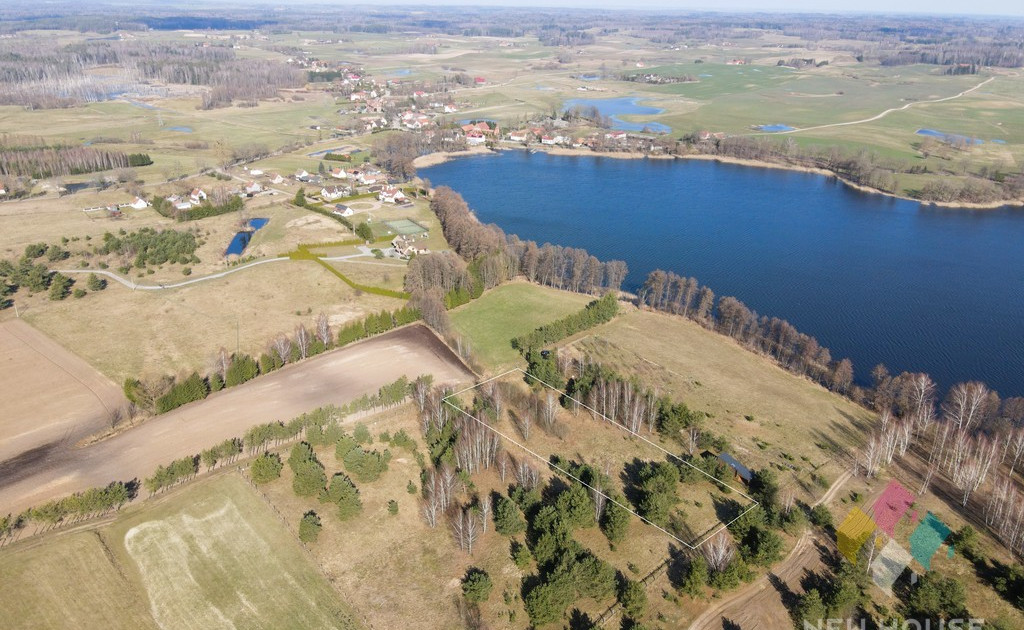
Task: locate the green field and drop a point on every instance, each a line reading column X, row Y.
column 490, row 322
column 215, row 556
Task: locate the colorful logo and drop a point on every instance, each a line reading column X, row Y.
column 891, row 559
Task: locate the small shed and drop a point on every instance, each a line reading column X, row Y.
column 741, row 471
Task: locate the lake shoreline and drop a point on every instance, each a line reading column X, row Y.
column 433, row 159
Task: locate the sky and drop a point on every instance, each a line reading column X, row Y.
column 945, row 7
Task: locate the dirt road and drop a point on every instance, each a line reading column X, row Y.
column 49, row 394
column 57, row 469
column 759, row 605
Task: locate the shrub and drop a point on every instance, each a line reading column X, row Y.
column 476, row 586
column 309, row 527
column 189, row 390
column 266, row 468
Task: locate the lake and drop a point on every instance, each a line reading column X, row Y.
column 874, row 278
column 625, row 106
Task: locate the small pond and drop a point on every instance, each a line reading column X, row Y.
column 241, row 239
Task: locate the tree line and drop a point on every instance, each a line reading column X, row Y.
column 56, row 161
column 597, row 312
column 498, row 257
column 79, row 506
column 163, row 394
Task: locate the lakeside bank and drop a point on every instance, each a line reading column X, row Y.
column 435, row 159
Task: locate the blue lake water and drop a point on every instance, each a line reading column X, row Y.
column 180, row 129
column 625, row 106
column 241, row 239
column 874, row 278
column 948, row 137
column 776, row 127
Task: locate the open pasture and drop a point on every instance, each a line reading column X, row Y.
column 770, row 417
column 489, row 323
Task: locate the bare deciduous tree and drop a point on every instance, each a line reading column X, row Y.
column 718, row 551
column 323, row 330
column 282, row 345
column 302, row 341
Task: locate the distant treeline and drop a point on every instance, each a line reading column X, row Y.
column 861, row 167
column 49, row 74
column 43, row 162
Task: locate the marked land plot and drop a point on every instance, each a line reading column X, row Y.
column 223, row 561
column 708, row 505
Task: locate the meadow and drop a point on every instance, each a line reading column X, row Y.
column 490, row 323
column 214, row 556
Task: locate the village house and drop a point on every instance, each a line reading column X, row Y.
column 475, row 138
column 552, row 140
column 405, row 247
column 252, row 188
column 370, row 178
column 276, row 178
column 138, row 203
column 519, row 136
column 339, row 173
column 330, row 193
column 197, row 196
column 255, row 172
column 302, row 175
column 342, row 210
column 617, row 136
column 391, row 194
column 179, row 203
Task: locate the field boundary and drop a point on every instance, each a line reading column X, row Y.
column 689, row 545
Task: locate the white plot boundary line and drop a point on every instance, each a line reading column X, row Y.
column 547, row 462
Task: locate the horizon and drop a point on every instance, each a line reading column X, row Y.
column 942, row 8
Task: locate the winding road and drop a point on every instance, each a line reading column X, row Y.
column 885, row 113
column 743, row 604
column 213, row 276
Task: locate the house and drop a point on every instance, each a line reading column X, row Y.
column 138, row 203
column 405, row 246
column 615, row 135
column 741, row 471
column 3, row 191
column 302, row 175
column 479, row 81
column 391, row 194
column 197, row 196
column 552, row 140
column 342, row 210
column 252, row 188
column 339, row 173
column 330, row 193
column 519, row 136
column 370, row 178
column 255, row 172
column 276, row 179
column 475, row 138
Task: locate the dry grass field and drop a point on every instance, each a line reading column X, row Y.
column 770, row 416
column 212, row 555
column 148, row 333
column 61, row 398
